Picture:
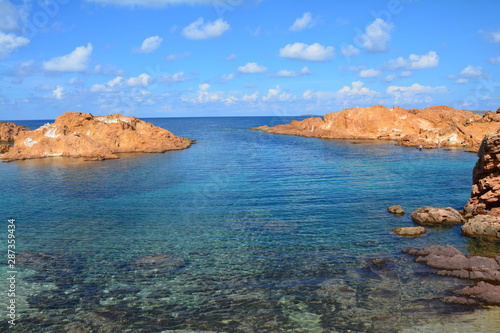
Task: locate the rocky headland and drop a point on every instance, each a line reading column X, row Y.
column 439, row 126
column 82, row 135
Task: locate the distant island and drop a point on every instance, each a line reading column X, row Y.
column 438, row 126
column 82, row 135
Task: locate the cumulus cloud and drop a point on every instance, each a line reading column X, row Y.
column 347, row 95
column 492, row 36
column 10, row 42
column 227, row 77
column 313, row 52
column 277, row 95
column 143, row 80
column 369, row 73
column 251, row 98
column 416, row 93
column 173, row 57
column 287, row 73
column 109, row 86
column 174, row 78
column 469, row 73
column 58, row 93
column 377, row 36
column 414, row 61
column 350, row 51
column 76, row 61
column 304, row 22
column 252, row 68
column 150, row 44
column 200, row 30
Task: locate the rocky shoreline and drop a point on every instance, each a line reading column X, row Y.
column 433, row 127
column 82, row 135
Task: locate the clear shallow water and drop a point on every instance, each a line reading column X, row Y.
column 259, row 233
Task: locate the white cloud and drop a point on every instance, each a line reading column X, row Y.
column 76, row 61
column 492, row 36
column 10, row 17
column 10, row 42
column 313, row 52
column 150, row 44
column 469, row 73
column 416, row 93
column 347, row 95
column 231, row 57
column 304, row 22
column 414, row 61
column 252, row 68
column 390, row 78
column 377, row 36
column 287, row 73
column 227, row 77
column 173, row 78
column 276, row 94
column 58, row 93
column 495, row 61
column 350, row 51
column 142, row 80
column 356, row 89
column 250, row 98
column 111, row 85
column 369, row 73
column 405, row 74
column 204, row 86
column 173, row 57
column 200, row 30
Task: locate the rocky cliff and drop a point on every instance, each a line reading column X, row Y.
column 485, row 194
column 8, row 131
column 93, row 138
column 431, row 127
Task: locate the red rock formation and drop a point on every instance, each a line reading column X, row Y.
column 93, row 138
column 430, row 127
column 8, row 131
column 485, row 194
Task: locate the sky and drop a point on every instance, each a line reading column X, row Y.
column 197, row 58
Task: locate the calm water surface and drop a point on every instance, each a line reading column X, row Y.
column 243, row 232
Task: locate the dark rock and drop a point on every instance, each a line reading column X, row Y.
column 436, row 216
column 483, row 291
column 4, row 149
column 396, row 209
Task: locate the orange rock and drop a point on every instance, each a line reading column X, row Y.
column 431, row 127
column 8, row 131
column 93, row 138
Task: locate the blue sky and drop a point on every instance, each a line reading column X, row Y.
column 191, row 58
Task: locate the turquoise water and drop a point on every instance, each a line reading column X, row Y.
column 258, row 233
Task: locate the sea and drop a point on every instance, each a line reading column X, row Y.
column 245, row 231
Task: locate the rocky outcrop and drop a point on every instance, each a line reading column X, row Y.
column 396, row 209
column 93, row 138
column 483, row 226
column 439, row 126
column 4, row 149
column 437, row 215
column 410, row 231
column 485, row 194
column 8, row 131
column 451, row 262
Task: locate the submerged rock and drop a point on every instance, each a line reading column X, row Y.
column 396, row 209
column 157, row 263
column 451, row 262
column 483, row 226
column 76, row 134
column 410, row 231
column 437, row 215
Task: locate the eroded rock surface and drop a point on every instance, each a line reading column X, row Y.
column 410, row 231
column 438, row 126
column 483, row 226
column 8, row 131
column 93, row 138
column 451, row 262
column 396, row 209
column 437, row 215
